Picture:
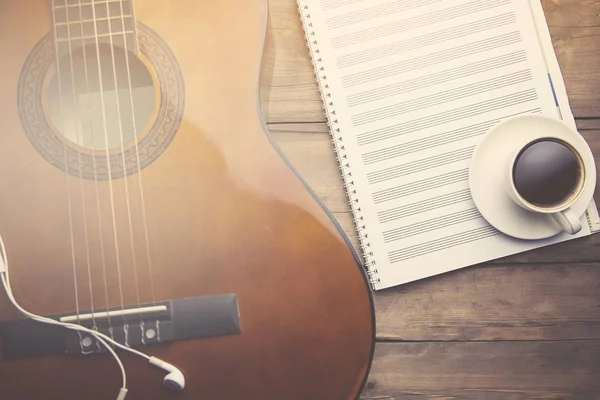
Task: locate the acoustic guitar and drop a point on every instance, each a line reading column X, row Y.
column 142, row 197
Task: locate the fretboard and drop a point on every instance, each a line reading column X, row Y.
column 88, row 21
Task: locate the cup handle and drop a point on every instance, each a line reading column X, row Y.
column 568, row 221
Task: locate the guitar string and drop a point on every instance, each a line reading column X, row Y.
column 110, row 184
column 66, row 162
column 94, row 166
column 78, row 133
column 137, row 156
column 122, row 140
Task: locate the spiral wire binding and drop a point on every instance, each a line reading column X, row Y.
column 338, row 143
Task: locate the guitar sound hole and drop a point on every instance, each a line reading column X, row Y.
column 89, row 109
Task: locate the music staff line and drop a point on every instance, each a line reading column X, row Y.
column 443, row 243
column 420, row 165
column 445, row 76
column 428, row 60
column 429, row 39
column 456, row 114
column 436, row 140
column 433, row 203
column 432, row 224
column 331, row 4
column 382, row 31
column 447, row 96
column 391, row 7
column 411, row 188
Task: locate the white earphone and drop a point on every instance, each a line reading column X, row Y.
column 174, row 380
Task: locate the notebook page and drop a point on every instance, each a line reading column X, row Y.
column 416, row 83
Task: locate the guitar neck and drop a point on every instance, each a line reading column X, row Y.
column 84, row 22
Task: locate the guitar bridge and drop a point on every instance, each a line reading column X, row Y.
column 133, row 326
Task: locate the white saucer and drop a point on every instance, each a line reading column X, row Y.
column 488, row 165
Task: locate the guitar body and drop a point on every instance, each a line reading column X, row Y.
column 189, row 201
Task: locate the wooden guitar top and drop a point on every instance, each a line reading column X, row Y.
column 191, row 200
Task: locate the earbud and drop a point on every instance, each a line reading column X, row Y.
column 174, row 379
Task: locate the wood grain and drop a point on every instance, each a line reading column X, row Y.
column 575, row 30
column 502, row 302
column 309, row 149
column 485, row 370
column 591, row 123
column 522, row 327
column 289, row 91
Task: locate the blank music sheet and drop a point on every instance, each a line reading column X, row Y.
column 415, row 84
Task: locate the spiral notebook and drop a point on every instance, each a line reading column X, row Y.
column 409, row 88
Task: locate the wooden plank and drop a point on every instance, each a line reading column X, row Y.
column 288, row 88
column 289, row 91
column 488, row 370
column 575, row 30
column 508, row 302
column 578, row 53
column 588, row 124
column 309, row 149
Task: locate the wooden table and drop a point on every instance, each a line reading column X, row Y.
column 524, row 327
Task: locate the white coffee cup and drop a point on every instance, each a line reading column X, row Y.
column 559, row 210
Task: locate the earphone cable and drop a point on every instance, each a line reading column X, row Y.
column 174, row 379
column 103, row 339
column 3, row 260
column 68, row 326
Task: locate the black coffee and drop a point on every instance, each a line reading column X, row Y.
column 546, row 173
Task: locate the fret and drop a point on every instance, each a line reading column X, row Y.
column 74, row 13
column 91, row 20
column 75, row 3
column 109, row 22
column 103, row 35
column 87, row 28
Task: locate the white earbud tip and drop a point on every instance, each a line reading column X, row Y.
column 175, row 381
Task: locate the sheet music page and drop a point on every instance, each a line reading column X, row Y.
column 416, row 83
